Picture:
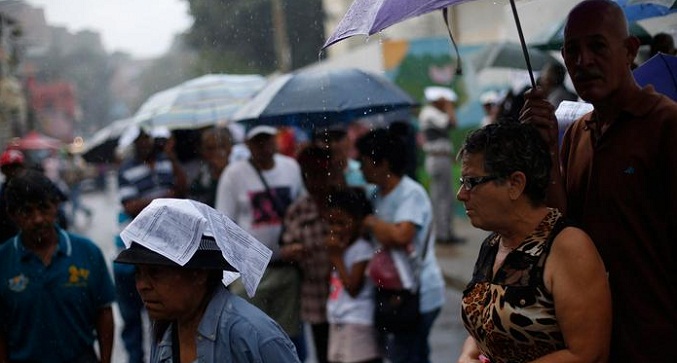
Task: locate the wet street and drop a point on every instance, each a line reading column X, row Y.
column 448, row 332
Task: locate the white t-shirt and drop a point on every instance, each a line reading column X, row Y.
column 409, row 202
column 436, row 121
column 242, row 196
column 431, row 117
column 343, row 308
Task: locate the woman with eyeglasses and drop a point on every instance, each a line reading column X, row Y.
column 539, row 290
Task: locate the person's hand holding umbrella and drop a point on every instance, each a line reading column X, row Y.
column 540, row 113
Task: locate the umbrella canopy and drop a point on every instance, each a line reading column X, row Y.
column 318, row 98
column 100, row 148
column 555, row 40
column 368, row 17
column 661, row 72
column 35, row 141
column 509, row 55
column 644, row 9
column 199, row 102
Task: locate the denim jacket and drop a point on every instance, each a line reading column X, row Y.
column 233, row 330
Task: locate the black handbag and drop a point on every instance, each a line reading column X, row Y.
column 397, row 310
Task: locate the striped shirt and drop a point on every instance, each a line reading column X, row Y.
column 137, row 179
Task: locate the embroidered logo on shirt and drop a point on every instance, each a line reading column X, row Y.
column 77, row 276
column 18, row 283
column 629, row 170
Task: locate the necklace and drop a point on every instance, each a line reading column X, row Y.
column 502, row 247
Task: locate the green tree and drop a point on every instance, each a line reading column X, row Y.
column 237, row 36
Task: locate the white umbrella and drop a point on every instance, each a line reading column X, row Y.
column 199, row 102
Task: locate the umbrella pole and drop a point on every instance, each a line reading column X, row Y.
column 459, row 69
column 522, row 42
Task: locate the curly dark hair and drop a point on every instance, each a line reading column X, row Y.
column 509, row 147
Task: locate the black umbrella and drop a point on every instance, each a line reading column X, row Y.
column 100, row 148
column 509, row 56
column 320, row 98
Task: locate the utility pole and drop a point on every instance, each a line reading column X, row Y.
column 282, row 48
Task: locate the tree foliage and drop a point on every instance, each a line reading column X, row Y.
column 236, row 36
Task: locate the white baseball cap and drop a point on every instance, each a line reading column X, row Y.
column 489, row 97
column 259, row 130
column 434, row 93
column 160, row 132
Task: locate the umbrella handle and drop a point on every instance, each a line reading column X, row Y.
column 522, row 42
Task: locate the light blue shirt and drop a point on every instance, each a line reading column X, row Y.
column 409, row 202
column 353, row 174
column 233, row 330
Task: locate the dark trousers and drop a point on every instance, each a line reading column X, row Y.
column 321, row 341
column 412, row 347
column 131, row 308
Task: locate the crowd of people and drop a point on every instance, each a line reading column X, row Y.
column 579, row 265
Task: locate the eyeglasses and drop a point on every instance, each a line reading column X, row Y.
column 469, row 182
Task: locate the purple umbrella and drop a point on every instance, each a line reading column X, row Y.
column 661, row 72
column 367, row 17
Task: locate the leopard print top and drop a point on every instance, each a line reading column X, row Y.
column 511, row 315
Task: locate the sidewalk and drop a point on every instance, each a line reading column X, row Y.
column 457, row 260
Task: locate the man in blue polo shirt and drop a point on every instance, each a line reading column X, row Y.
column 55, row 289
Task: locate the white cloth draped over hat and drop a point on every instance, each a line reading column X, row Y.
column 174, row 228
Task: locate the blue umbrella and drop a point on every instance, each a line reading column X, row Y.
column 320, row 98
column 661, row 72
column 644, row 9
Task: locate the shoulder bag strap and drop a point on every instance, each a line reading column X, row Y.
column 276, row 203
column 418, row 261
column 427, row 240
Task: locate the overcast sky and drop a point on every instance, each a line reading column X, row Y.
column 143, row 28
